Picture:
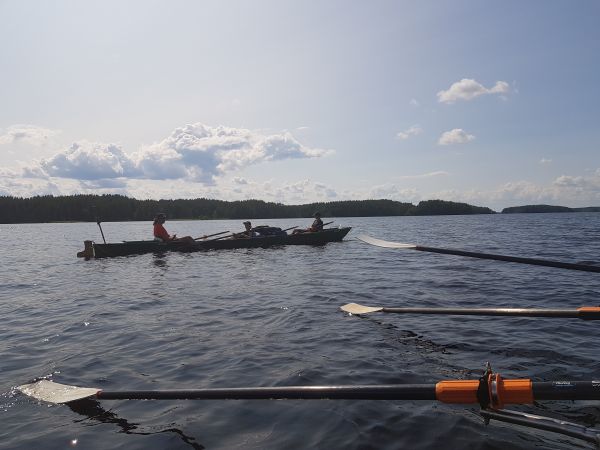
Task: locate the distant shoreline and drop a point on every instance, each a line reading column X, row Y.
column 118, row 208
column 547, row 209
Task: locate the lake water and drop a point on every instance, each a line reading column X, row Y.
column 270, row 317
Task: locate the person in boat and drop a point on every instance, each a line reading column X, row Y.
column 161, row 234
column 317, row 225
column 248, row 232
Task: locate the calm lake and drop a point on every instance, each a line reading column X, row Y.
column 270, row 317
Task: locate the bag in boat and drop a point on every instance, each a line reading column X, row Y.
column 265, row 230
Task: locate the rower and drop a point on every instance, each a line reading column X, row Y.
column 317, row 225
column 161, row 234
column 249, row 232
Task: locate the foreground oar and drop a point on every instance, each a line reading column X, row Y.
column 210, row 235
column 585, row 312
column 489, row 391
column 445, row 251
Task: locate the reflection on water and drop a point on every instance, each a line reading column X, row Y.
column 92, row 410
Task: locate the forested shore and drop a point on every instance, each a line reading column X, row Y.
column 117, row 208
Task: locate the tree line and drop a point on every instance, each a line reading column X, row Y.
column 118, row 208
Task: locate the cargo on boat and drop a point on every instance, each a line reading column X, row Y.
column 107, row 250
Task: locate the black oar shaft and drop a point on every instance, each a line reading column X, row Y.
column 211, row 235
column 557, row 313
column 514, row 391
column 566, row 390
column 532, row 261
column 383, row 392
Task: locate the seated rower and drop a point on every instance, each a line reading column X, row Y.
column 160, row 233
column 317, row 225
column 248, row 232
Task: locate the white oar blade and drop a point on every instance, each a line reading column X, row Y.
column 382, row 243
column 355, row 308
column 52, row 392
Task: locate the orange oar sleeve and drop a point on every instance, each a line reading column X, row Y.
column 459, row 391
column 465, row 391
column 589, row 312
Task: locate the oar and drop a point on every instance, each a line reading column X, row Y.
column 516, row 259
column 290, row 228
column 210, row 235
column 585, row 312
column 100, row 226
column 328, row 223
column 519, row 391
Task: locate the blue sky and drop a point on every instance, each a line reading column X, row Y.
column 490, row 103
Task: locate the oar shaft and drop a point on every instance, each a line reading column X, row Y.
column 101, row 232
column 566, row 390
column 532, row 261
column 557, row 313
column 518, row 391
column 211, row 235
column 381, row 392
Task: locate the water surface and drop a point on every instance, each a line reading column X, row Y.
column 270, row 317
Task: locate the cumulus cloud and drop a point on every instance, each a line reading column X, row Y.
column 412, row 131
column 29, row 134
column 89, row 161
column 200, row 152
column 455, row 136
column 195, row 152
column 545, row 161
column 468, row 89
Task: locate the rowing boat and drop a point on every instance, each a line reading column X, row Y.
column 107, row 250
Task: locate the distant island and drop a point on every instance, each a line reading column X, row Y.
column 118, row 208
column 547, row 209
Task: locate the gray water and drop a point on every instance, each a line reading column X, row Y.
column 270, row 317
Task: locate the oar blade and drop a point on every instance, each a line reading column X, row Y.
column 355, row 308
column 382, row 243
column 51, row 392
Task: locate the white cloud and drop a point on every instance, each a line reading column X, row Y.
column 240, row 180
column 414, row 102
column 455, row 136
column 29, row 134
column 197, row 153
column 436, row 173
column 89, row 161
column 545, row 161
column 393, row 192
column 412, row 131
column 468, row 89
column 565, row 191
column 204, row 152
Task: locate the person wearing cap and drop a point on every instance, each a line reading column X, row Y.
column 317, row 225
column 161, row 234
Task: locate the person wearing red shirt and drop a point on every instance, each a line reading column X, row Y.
column 160, row 233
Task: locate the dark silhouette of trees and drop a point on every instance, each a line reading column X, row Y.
column 112, row 208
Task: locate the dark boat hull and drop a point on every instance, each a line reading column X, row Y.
column 140, row 247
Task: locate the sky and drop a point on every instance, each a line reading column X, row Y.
column 491, row 103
